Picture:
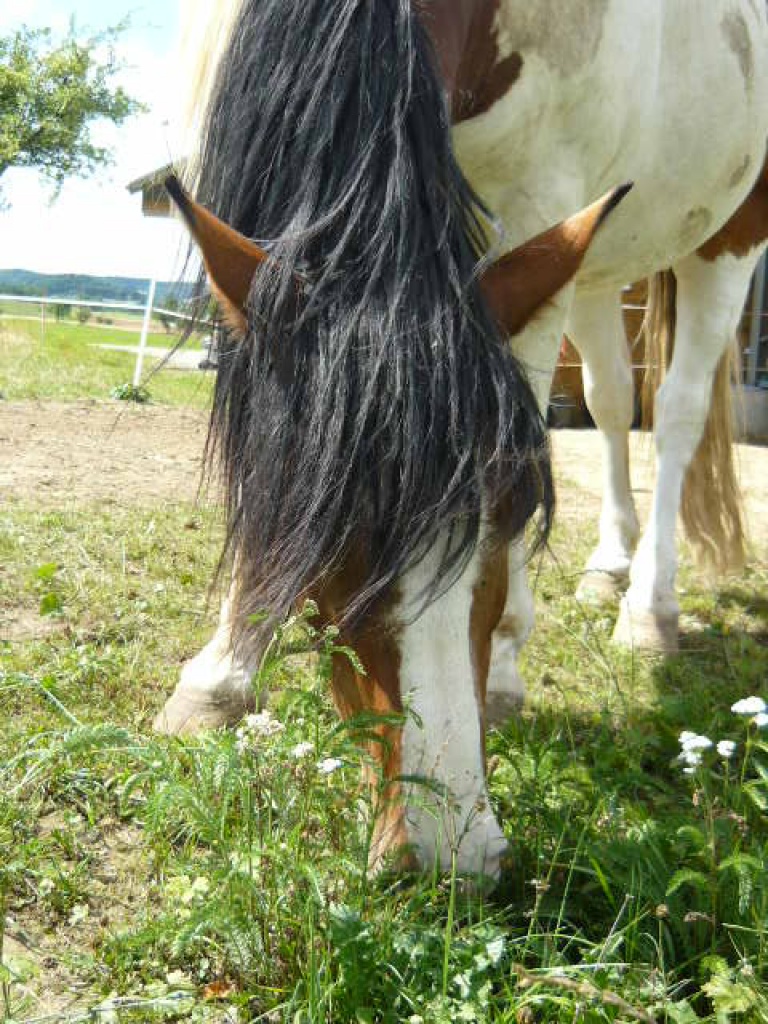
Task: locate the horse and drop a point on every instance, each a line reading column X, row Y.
column 375, row 199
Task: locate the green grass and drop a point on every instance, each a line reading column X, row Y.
column 244, row 872
column 171, row 880
column 65, row 364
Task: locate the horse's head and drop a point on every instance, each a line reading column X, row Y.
column 376, row 492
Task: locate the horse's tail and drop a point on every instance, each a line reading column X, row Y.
column 711, row 501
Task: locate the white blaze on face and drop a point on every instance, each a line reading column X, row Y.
column 441, row 741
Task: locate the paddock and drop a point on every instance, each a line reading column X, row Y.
column 106, row 558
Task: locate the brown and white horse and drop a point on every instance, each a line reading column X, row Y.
column 551, row 104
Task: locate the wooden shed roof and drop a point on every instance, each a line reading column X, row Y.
column 155, row 201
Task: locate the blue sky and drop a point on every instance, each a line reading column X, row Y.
column 95, row 226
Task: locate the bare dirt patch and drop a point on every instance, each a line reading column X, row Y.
column 94, row 451
column 579, row 477
column 138, row 455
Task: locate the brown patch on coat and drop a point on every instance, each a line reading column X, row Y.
column 489, row 596
column 746, row 229
column 376, row 642
column 483, row 76
column 474, row 72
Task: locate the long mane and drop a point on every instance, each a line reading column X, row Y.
column 373, row 408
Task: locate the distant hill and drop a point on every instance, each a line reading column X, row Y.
column 86, row 287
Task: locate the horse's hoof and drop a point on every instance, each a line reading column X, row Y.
column 500, row 706
column 186, row 714
column 599, row 587
column 646, row 630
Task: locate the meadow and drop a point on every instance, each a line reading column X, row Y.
column 61, row 359
column 223, row 878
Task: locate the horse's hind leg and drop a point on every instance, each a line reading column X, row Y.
column 596, row 328
column 214, row 689
column 710, row 299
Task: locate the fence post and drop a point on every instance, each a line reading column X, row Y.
column 144, row 332
column 755, row 327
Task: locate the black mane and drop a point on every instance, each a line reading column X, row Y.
column 382, row 410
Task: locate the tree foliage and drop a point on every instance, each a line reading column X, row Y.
column 51, row 92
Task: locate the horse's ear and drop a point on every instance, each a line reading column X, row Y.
column 523, row 280
column 230, row 258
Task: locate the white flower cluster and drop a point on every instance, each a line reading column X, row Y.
column 693, row 744
column 302, row 750
column 328, row 765
column 755, row 707
column 256, row 727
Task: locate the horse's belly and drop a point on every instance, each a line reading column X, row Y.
column 676, row 102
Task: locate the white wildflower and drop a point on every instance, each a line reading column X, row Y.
column 328, row 765
column 255, row 727
column 692, row 760
column 761, row 720
column 178, row 979
column 194, row 890
column 262, row 724
column 691, row 741
column 302, row 750
column 726, row 749
column 749, row 706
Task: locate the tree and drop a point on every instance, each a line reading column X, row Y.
column 50, row 94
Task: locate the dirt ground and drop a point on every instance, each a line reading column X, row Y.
column 96, row 451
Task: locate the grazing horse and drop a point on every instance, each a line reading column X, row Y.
column 403, row 164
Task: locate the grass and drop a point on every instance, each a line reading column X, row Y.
column 161, row 879
column 66, row 364
column 245, row 868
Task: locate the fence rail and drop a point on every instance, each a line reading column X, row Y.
column 126, row 307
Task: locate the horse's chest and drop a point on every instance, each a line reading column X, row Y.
column 676, row 102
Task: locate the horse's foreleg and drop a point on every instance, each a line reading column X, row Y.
column 214, row 689
column 710, row 298
column 429, row 664
column 537, row 348
column 596, row 328
column 506, row 688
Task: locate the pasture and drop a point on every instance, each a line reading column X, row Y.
column 224, row 878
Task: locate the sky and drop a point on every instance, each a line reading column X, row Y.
column 95, row 226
